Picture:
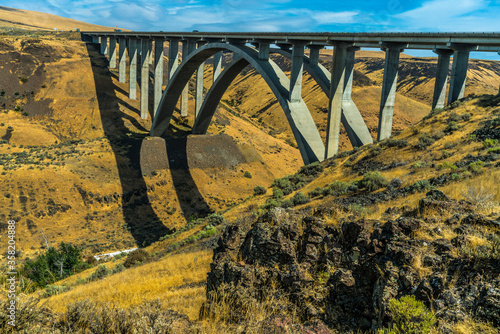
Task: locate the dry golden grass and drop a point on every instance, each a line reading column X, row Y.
column 177, row 280
column 27, row 19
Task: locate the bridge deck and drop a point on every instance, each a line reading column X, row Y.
column 481, row 41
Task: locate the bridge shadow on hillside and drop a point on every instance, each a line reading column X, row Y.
column 140, row 218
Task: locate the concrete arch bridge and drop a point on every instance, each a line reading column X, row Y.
column 255, row 48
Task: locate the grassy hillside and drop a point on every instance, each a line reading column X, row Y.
column 31, row 20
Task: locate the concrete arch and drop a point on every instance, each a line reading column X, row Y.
column 298, row 116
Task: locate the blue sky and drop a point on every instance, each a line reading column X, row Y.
column 278, row 15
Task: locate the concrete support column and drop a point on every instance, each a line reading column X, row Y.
column 104, row 45
column 188, row 46
column 145, row 46
column 95, row 39
column 296, row 72
column 199, row 85
column 390, row 81
column 459, row 71
column 443, row 67
column 112, row 52
column 158, row 72
column 351, row 118
column 217, row 65
column 314, row 54
column 132, row 56
column 349, row 72
column 336, row 96
column 173, row 56
column 264, row 51
column 122, row 62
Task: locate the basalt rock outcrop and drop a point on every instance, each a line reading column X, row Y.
column 344, row 275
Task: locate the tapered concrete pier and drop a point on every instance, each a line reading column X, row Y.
column 459, row 71
column 145, row 43
column 443, row 68
column 104, row 45
column 158, row 72
column 173, row 56
column 132, row 91
column 390, row 81
column 112, row 52
column 122, row 62
column 336, row 97
column 188, row 46
column 296, row 72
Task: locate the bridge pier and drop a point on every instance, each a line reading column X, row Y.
column 199, row 85
column 336, row 97
column 458, row 71
column 314, row 54
column 389, row 85
column 158, row 72
column 353, row 122
column 264, row 48
column 104, row 45
column 173, row 56
column 188, row 46
column 296, row 72
column 132, row 91
column 145, row 53
column 112, row 52
column 95, row 39
column 122, row 62
column 443, row 67
column 217, row 65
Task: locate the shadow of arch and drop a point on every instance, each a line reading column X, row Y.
column 140, row 218
column 299, row 118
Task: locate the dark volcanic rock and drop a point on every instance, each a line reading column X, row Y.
column 345, row 276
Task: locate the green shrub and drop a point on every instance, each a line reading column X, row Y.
column 101, row 272
column 445, row 154
column 476, row 167
column 438, row 135
column 137, row 256
column 410, row 316
column 419, row 164
column 277, row 193
column 318, row 191
column 392, row 142
column 490, row 143
column 299, row 198
column 374, row 152
column 452, row 126
column 420, row 186
column 455, row 177
column 311, row 170
column 52, row 290
column 53, row 265
column 286, row 204
column 215, row 219
column 424, row 141
column 339, row 187
column 372, row 181
column 446, row 165
column 259, row 190
column 247, row 175
column 494, row 150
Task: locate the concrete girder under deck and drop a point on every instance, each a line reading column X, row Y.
column 459, row 70
column 443, row 67
column 389, row 85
